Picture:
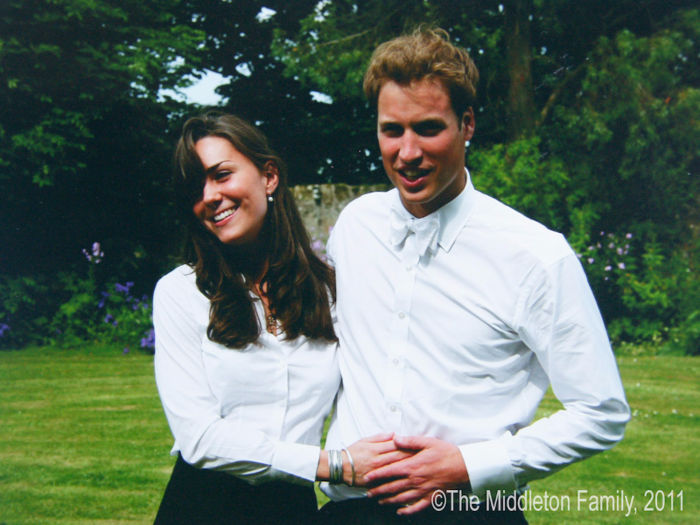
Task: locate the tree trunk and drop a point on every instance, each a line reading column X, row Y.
column 521, row 103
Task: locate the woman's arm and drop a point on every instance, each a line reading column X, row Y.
column 204, row 437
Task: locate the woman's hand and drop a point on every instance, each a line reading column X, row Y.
column 370, row 454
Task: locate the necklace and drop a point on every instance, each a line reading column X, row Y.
column 271, row 324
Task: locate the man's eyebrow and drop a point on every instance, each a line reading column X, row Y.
column 429, row 122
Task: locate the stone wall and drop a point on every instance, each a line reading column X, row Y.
column 320, row 205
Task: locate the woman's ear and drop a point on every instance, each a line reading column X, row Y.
column 272, row 173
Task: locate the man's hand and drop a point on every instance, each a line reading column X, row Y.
column 412, row 481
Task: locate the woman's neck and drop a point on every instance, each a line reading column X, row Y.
column 251, row 260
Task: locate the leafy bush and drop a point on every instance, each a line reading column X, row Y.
column 74, row 309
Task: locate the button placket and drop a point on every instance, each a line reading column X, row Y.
column 395, row 376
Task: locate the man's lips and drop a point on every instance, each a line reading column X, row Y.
column 413, row 174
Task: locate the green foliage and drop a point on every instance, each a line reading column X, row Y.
column 73, row 309
column 26, row 311
column 519, row 175
column 91, row 314
column 65, row 63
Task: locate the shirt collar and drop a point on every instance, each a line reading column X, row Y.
column 453, row 216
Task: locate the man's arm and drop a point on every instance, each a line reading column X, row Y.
column 560, row 322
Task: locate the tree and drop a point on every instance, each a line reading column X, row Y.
column 79, row 115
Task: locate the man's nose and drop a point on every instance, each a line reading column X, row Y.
column 410, row 152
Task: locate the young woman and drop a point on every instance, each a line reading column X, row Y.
column 245, row 349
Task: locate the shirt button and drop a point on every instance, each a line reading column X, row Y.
column 409, row 267
column 396, row 362
column 401, row 315
column 392, row 408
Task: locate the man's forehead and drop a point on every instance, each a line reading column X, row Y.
column 416, row 101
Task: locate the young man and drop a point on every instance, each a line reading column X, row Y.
column 455, row 314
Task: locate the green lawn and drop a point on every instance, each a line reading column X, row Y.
column 83, row 439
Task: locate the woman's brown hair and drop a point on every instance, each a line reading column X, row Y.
column 299, row 286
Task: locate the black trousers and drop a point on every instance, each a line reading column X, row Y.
column 204, row 497
column 363, row 511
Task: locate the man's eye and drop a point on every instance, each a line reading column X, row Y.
column 429, row 130
column 391, row 131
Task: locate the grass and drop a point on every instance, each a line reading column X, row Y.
column 83, row 439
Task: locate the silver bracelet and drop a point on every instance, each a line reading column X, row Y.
column 335, row 467
column 352, row 466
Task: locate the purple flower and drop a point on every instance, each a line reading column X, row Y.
column 3, row 328
column 150, row 340
column 109, row 318
column 126, row 351
column 608, row 268
column 620, row 251
column 123, row 287
column 591, row 260
column 102, row 301
column 628, row 236
column 602, row 233
column 611, row 245
column 621, row 266
column 94, row 253
column 318, row 246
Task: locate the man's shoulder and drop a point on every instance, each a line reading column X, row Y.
column 367, row 206
column 511, row 226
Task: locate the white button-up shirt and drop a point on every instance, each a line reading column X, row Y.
column 462, row 342
column 257, row 412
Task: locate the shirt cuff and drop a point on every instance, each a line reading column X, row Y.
column 297, row 459
column 489, row 467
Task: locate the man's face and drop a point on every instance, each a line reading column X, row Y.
column 422, row 143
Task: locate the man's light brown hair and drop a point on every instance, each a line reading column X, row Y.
column 424, row 54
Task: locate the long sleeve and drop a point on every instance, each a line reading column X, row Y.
column 559, row 320
column 238, row 431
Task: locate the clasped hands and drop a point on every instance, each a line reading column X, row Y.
column 406, row 471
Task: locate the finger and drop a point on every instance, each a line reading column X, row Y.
column 398, row 469
column 389, row 489
column 378, row 438
column 383, row 447
column 411, row 442
column 412, row 509
column 390, row 457
column 407, row 497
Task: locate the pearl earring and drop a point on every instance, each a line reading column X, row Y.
column 269, row 198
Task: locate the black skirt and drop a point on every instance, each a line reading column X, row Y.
column 205, row 497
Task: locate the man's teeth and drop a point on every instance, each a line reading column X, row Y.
column 412, row 174
column 221, row 216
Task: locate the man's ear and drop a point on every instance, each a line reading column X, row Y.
column 272, row 173
column 468, row 124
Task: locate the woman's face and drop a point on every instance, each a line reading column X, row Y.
column 233, row 203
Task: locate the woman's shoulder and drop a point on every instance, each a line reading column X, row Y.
column 181, row 274
column 181, row 280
